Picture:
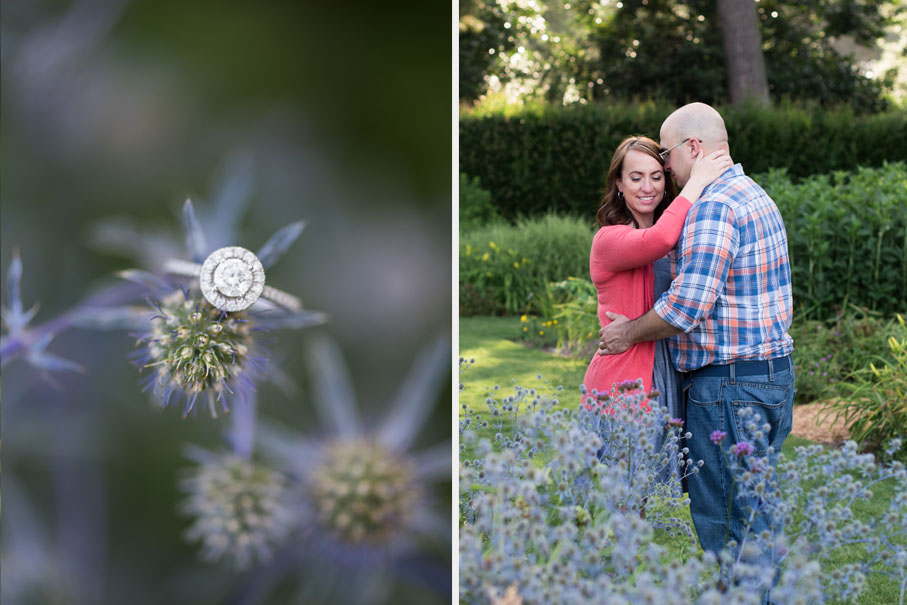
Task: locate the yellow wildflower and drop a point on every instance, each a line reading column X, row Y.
column 493, row 245
column 485, row 256
column 516, row 265
column 524, row 319
column 541, row 332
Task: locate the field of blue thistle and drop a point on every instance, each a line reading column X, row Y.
column 569, row 502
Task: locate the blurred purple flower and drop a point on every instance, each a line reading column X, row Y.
column 742, row 448
column 18, row 339
column 238, row 507
column 717, row 437
column 363, row 494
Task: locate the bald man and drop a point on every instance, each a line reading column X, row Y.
column 727, row 314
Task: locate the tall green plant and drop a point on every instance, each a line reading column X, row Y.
column 876, row 409
column 576, row 314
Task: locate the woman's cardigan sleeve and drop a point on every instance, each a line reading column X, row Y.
column 622, row 247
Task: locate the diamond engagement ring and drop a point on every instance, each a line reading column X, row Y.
column 232, row 279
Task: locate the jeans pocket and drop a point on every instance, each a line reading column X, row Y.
column 704, row 393
column 768, row 401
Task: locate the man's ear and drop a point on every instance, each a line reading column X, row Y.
column 695, row 146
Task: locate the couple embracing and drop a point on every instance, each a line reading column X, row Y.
column 694, row 298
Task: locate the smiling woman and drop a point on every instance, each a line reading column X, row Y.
column 640, row 220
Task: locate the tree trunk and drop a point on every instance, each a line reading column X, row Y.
column 743, row 59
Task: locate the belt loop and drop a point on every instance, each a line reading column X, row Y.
column 771, row 371
column 733, row 370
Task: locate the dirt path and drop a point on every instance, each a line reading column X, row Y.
column 806, row 425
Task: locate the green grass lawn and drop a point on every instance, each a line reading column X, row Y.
column 504, row 362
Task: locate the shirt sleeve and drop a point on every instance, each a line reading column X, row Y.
column 707, row 251
column 622, row 247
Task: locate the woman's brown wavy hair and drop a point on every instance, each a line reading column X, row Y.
column 613, row 209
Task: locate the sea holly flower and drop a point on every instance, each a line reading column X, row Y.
column 555, row 507
column 196, row 350
column 238, row 507
column 18, row 340
column 362, row 494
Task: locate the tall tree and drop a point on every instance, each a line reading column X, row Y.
column 742, row 43
column 677, row 50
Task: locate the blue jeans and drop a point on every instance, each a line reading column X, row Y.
column 713, row 404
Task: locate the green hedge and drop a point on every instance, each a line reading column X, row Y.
column 847, row 234
column 554, row 159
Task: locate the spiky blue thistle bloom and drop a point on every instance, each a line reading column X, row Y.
column 238, row 508
column 363, row 497
column 196, row 351
column 20, row 341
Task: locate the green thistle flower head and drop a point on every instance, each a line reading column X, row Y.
column 238, row 509
column 363, row 493
column 197, row 349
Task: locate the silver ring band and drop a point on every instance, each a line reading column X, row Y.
column 232, row 279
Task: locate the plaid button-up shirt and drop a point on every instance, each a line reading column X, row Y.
column 731, row 294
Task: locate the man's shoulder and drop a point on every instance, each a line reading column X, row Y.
column 734, row 190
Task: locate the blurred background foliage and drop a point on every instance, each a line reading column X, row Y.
column 835, row 52
column 114, row 113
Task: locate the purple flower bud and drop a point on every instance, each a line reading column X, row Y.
column 743, row 448
column 717, row 437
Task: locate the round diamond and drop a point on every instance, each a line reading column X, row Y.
column 233, row 277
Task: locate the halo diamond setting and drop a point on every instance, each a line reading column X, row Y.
column 232, row 278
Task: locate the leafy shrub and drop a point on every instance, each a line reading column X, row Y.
column 539, row 332
column 876, row 408
column 476, row 208
column 847, row 236
column 512, row 264
column 828, row 353
column 555, row 159
column 576, row 316
column 568, row 313
column 476, row 300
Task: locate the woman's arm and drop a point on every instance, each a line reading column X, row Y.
column 621, row 247
column 705, row 170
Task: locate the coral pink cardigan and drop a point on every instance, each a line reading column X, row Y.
column 621, row 268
